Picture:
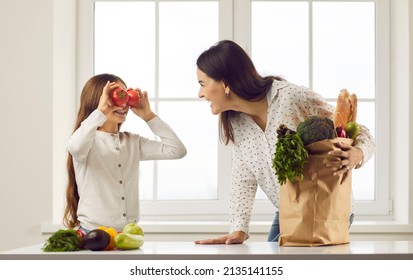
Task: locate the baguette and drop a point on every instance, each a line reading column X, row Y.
column 343, row 109
column 353, row 104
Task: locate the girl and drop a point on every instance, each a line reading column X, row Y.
column 103, row 163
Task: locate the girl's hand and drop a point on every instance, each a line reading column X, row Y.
column 237, row 237
column 345, row 159
column 105, row 104
column 143, row 110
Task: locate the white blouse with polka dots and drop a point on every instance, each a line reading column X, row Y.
column 253, row 148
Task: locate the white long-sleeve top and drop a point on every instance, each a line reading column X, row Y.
column 107, row 169
column 253, row 148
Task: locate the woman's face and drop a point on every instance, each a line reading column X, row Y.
column 214, row 92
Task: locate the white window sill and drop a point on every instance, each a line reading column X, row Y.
column 255, row 227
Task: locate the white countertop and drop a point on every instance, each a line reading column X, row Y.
column 248, row 250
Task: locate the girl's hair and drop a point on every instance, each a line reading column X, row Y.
column 89, row 101
column 228, row 62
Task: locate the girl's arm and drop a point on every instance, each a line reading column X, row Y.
column 143, row 109
column 170, row 146
column 81, row 140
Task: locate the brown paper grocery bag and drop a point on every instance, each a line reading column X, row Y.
column 316, row 210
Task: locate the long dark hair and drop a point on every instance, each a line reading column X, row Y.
column 228, row 62
column 89, row 101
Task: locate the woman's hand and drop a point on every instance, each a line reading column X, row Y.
column 237, row 237
column 105, row 104
column 143, row 110
column 345, row 159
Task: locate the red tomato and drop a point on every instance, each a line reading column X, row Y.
column 81, row 233
column 119, row 97
column 133, row 97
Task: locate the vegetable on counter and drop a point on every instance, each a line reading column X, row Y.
column 99, row 239
column 64, row 240
column 128, row 241
column 130, row 238
column 133, row 228
column 96, row 240
column 112, row 233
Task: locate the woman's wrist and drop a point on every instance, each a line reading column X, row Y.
column 361, row 158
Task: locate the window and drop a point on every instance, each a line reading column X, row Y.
column 159, row 57
column 316, row 43
column 308, row 42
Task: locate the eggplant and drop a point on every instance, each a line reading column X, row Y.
column 96, row 240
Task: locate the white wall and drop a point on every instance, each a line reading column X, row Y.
column 26, row 78
column 30, row 56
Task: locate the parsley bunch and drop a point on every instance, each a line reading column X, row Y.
column 290, row 155
column 63, row 240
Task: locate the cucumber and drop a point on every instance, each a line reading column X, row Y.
column 127, row 241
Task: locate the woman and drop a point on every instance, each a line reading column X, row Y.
column 251, row 108
column 103, row 163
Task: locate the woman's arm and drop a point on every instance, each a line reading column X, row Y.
column 350, row 156
column 242, row 197
column 242, row 193
column 236, row 237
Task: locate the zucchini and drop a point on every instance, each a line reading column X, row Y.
column 127, row 241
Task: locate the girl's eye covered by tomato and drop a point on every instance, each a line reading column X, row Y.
column 121, row 97
column 133, row 97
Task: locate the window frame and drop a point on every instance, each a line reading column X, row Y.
column 159, row 210
column 382, row 205
column 235, row 18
